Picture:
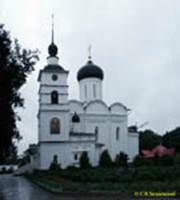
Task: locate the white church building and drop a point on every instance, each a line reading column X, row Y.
column 68, row 127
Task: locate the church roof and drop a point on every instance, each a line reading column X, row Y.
column 75, row 118
column 90, row 70
column 158, row 150
column 54, row 68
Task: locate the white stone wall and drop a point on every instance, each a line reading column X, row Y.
column 87, row 87
column 133, row 145
column 107, row 119
column 46, row 79
column 47, row 85
column 65, row 152
column 44, row 127
column 8, row 167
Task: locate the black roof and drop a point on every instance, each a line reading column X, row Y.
column 75, row 118
column 54, row 68
column 90, row 70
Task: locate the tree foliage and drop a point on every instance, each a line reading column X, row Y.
column 172, row 139
column 15, row 64
column 177, row 160
column 55, row 166
column 121, row 160
column 84, row 160
column 105, row 159
column 148, row 139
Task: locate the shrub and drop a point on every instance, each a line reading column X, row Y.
column 84, row 160
column 105, row 159
column 121, row 160
column 4, row 170
column 10, row 170
column 71, row 167
column 54, row 166
column 138, row 161
column 177, row 160
column 166, row 160
column 156, row 159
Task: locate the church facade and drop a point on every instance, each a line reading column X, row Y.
column 68, row 127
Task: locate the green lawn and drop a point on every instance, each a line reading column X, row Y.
column 148, row 178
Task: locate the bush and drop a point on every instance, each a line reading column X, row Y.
column 71, row 167
column 10, row 170
column 55, row 166
column 84, row 160
column 3, row 170
column 156, row 159
column 105, row 159
column 121, row 160
column 166, row 160
column 177, row 160
column 138, row 161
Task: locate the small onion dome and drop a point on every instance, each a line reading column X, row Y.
column 90, row 70
column 52, row 49
column 75, row 118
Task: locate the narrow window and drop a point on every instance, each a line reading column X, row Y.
column 85, row 91
column 54, row 97
column 75, row 156
column 96, row 133
column 94, row 90
column 55, row 126
column 117, row 133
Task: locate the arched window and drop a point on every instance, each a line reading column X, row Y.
column 54, row 97
column 55, row 126
column 94, row 90
column 117, row 133
column 75, row 156
column 85, row 91
column 96, row 133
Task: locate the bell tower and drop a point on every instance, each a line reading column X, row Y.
column 53, row 116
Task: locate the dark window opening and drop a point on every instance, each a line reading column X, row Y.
column 117, row 133
column 94, row 90
column 55, row 126
column 75, row 157
column 54, row 97
column 85, row 91
column 96, row 133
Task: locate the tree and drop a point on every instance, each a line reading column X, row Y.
column 105, row 159
column 172, row 139
column 84, row 160
column 54, row 166
column 15, row 65
column 177, row 160
column 121, row 160
column 148, row 139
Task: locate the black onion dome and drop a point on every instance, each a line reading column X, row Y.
column 52, row 49
column 90, row 70
column 75, row 118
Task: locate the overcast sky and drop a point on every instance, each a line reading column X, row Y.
column 136, row 43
